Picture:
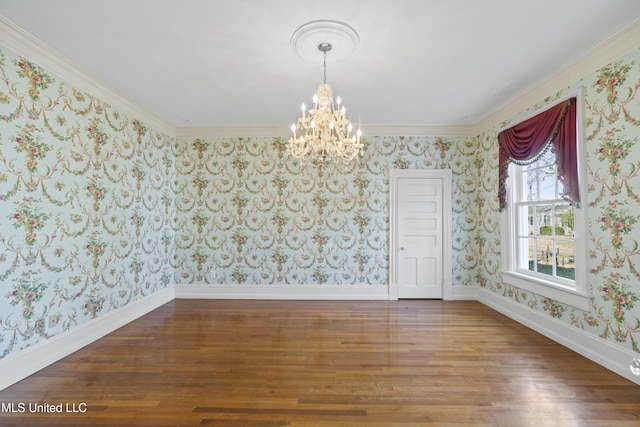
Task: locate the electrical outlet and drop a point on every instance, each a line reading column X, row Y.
column 635, row 366
column 54, row 319
column 212, row 274
column 40, row 326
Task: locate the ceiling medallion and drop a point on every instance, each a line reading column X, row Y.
column 342, row 37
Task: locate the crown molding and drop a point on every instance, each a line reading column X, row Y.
column 285, row 131
column 26, row 45
column 418, row 130
column 606, row 52
column 232, row 132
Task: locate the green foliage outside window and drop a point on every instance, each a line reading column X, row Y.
column 545, row 230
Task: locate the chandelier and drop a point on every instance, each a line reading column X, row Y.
column 325, row 133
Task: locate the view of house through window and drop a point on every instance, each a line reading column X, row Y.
column 544, row 222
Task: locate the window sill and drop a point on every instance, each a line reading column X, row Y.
column 548, row 289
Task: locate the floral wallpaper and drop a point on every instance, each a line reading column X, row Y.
column 248, row 213
column 612, row 122
column 86, row 206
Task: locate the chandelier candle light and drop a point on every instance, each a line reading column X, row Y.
column 325, row 133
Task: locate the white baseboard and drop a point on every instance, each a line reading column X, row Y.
column 601, row 351
column 461, row 293
column 285, row 292
column 19, row 365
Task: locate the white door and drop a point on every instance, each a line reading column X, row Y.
column 419, row 234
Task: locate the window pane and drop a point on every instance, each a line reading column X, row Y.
column 565, row 263
column 565, row 241
column 531, row 214
column 543, row 220
column 526, row 260
column 564, row 218
column 547, row 183
column 530, row 180
column 545, row 256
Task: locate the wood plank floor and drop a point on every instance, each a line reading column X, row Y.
column 314, row 363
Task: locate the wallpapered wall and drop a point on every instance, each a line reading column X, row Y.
column 612, row 123
column 85, row 206
column 253, row 215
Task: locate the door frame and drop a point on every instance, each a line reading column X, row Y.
column 446, row 176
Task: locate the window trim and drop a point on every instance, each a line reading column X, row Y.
column 578, row 296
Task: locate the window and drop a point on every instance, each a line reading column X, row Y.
column 544, row 222
column 545, row 250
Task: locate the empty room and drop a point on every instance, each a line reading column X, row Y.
column 279, row 212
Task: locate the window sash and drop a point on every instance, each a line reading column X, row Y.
column 522, row 237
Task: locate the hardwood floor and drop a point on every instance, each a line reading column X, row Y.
column 338, row 363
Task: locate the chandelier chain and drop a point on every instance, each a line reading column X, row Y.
column 325, row 67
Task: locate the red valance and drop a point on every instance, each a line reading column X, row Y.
column 524, row 142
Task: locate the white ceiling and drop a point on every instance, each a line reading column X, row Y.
column 228, row 63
